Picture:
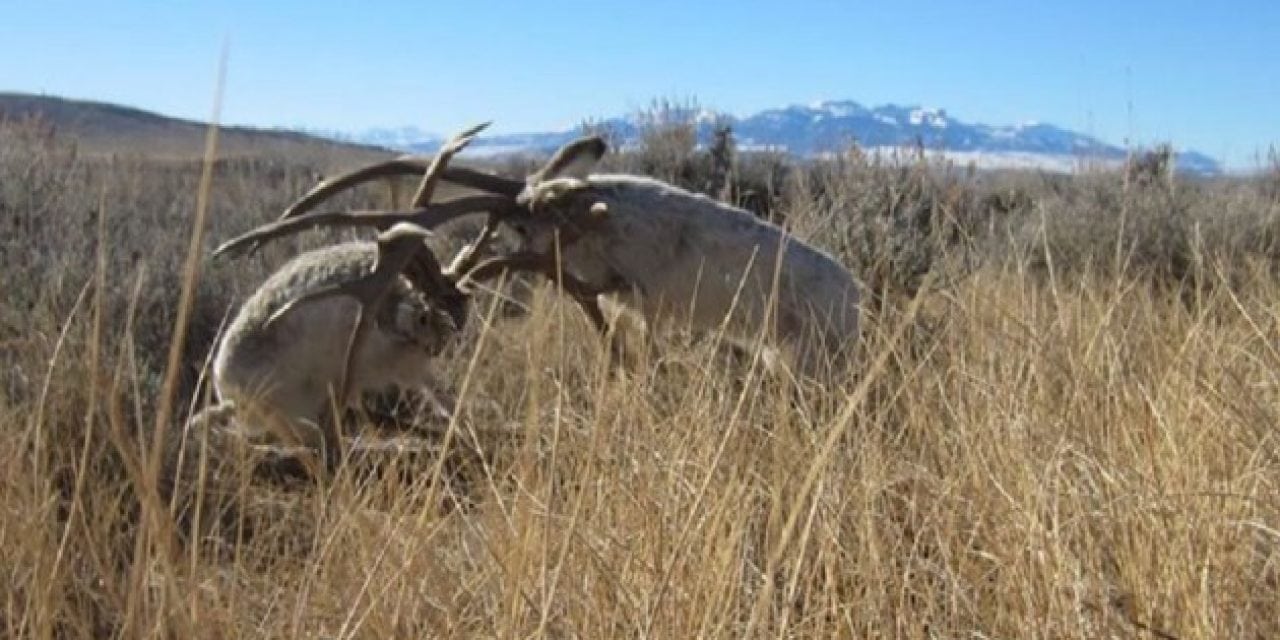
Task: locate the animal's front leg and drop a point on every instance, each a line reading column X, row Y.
column 437, row 402
column 406, row 406
column 621, row 325
column 329, row 434
column 441, row 403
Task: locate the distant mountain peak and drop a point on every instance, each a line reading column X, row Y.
column 826, row 126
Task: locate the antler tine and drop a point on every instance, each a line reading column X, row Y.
column 397, row 249
column 427, row 217
column 465, row 261
column 451, row 148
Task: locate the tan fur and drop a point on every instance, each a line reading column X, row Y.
column 280, row 375
column 697, row 263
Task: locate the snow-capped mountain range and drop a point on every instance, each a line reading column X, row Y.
column 828, row 127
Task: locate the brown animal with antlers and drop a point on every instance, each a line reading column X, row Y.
column 673, row 256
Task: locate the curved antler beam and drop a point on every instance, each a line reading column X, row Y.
column 403, row 166
column 427, row 217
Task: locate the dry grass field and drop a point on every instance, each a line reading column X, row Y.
column 1065, row 425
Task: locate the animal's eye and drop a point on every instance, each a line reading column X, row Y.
column 521, row 229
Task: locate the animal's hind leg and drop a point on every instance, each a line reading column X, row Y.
column 309, row 440
column 219, row 433
column 300, row 438
column 207, row 432
column 218, row 418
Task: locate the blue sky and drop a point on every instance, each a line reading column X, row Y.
column 1205, row 75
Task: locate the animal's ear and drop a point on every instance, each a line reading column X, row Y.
column 573, row 160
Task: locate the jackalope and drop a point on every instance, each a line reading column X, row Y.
column 673, row 256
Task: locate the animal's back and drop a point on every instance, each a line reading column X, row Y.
column 289, row 363
column 705, row 253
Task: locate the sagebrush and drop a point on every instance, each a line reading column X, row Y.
column 1066, row 427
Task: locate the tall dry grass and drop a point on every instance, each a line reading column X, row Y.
column 1066, row 428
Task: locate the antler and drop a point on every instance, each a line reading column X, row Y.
column 423, row 214
column 426, row 217
column 403, row 166
column 451, row 148
column 501, row 201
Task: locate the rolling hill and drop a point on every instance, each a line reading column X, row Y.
column 102, row 128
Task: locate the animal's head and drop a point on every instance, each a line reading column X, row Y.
column 557, row 199
column 423, row 322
